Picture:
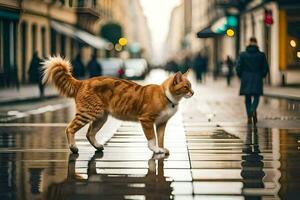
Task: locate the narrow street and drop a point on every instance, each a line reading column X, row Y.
column 213, row 153
column 217, row 151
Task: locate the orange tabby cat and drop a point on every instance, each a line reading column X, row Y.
column 98, row 97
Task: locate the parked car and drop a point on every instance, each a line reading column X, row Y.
column 135, row 68
column 111, row 66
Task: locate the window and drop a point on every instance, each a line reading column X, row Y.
column 1, row 47
column 24, row 48
column 80, row 3
column 293, row 40
column 33, row 38
column 53, row 42
column 63, row 45
column 43, row 36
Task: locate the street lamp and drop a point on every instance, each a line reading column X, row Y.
column 118, row 47
column 122, row 41
column 293, row 43
column 230, row 32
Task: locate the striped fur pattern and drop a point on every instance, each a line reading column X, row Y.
column 58, row 71
column 96, row 98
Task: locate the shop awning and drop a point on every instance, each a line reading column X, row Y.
column 81, row 35
column 206, row 33
column 11, row 15
column 218, row 27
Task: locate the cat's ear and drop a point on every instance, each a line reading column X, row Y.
column 177, row 78
column 187, row 72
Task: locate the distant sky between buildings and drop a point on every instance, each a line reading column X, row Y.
column 158, row 14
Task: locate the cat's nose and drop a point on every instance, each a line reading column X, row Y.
column 191, row 92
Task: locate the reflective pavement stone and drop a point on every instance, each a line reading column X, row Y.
column 213, row 155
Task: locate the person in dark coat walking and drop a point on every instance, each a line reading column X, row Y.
column 36, row 73
column 78, row 67
column 252, row 67
column 94, row 67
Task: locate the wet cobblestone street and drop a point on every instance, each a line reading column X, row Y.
column 213, row 154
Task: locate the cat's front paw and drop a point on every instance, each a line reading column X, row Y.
column 99, row 147
column 166, row 151
column 162, row 151
column 159, row 156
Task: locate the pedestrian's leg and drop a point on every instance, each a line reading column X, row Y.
column 248, row 108
column 254, row 107
column 228, row 80
column 200, row 77
column 255, row 103
column 41, row 88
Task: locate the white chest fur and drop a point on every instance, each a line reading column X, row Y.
column 166, row 114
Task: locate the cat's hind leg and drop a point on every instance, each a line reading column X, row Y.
column 94, row 127
column 77, row 123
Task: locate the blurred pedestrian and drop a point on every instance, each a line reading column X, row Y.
column 199, row 67
column 121, row 72
column 252, row 67
column 94, row 67
column 205, row 64
column 172, row 66
column 78, row 67
column 186, row 64
column 229, row 74
column 35, row 72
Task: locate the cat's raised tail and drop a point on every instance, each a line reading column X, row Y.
column 57, row 71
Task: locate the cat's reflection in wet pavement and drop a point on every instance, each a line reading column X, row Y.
column 153, row 185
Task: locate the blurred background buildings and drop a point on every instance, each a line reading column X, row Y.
column 67, row 27
column 221, row 28
column 214, row 28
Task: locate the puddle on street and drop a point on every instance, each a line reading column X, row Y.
column 243, row 162
column 232, row 109
column 230, row 161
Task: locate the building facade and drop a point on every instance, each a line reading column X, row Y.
column 129, row 14
column 273, row 22
column 31, row 25
column 63, row 27
column 279, row 39
column 197, row 15
column 175, row 36
column 9, row 18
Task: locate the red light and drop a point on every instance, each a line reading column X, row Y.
column 268, row 18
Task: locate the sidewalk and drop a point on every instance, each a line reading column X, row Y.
column 269, row 91
column 283, row 92
column 25, row 93
column 31, row 92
